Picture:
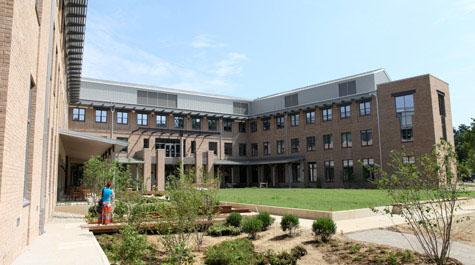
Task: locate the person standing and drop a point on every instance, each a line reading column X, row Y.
column 107, row 195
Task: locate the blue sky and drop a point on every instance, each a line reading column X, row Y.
column 252, row 48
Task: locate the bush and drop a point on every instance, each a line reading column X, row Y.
column 289, row 222
column 324, row 227
column 232, row 252
column 132, row 247
column 223, row 230
column 251, row 225
column 283, row 258
column 265, row 219
column 234, row 219
column 120, row 208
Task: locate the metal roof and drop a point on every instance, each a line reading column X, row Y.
column 75, row 23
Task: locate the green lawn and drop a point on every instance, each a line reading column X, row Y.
column 313, row 199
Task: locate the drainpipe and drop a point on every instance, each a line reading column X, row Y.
column 44, row 165
column 112, row 122
column 379, row 132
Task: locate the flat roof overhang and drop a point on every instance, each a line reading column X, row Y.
column 255, row 162
column 83, row 146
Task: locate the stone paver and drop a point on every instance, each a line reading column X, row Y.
column 64, row 242
column 463, row 252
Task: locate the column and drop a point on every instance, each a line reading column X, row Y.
column 248, row 175
column 210, row 164
column 198, row 167
column 302, row 173
column 160, row 170
column 260, row 175
column 272, row 170
column 147, row 169
column 288, row 174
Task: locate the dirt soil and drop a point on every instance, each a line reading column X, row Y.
column 463, row 229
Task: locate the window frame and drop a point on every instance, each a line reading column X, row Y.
column 280, row 121
column 266, row 149
column 228, row 149
column 161, row 124
column 328, row 146
column 242, row 149
column 345, row 111
column 102, row 116
column 196, row 123
column 327, row 114
column 213, row 146
column 312, row 172
column 368, row 142
column 366, row 110
column 312, row 147
column 329, row 171
column 120, row 117
column 347, row 170
column 141, row 120
column 77, row 116
column 253, row 126
column 294, row 145
column 176, row 122
column 280, row 147
column 228, row 125
column 265, row 124
column 254, row 149
column 242, row 127
column 294, row 119
column 310, row 117
column 346, row 140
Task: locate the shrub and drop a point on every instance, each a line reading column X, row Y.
column 265, row 219
column 251, row 225
column 298, row 251
column 223, row 230
column 120, row 208
column 234, row 219
column 232, row 252
column 289, row 222
column 283, row 258
column 324, row 227
column 132, row 247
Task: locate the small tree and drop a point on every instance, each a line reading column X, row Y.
column 131, row 248
column 289, row 222
column 266, row 220
column 427, row 192
column 252, row 226
column 98, row 171
column 324, row 227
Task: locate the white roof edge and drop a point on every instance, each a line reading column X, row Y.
column 92, row 137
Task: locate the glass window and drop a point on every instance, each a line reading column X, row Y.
column 368, row 165
column 196, row 123
column 312, row 171
column 345, row 111
column 408, row 159
column 346, row 140
column 280, row 147
column 179, row 122
column 161, row 120
column 310, row 117
column 365, row 108
column 242, row 150
column 294, row 145
column 254, row 150
column 265, row 124
column 213, row 146
column 327, row 114
column 253, row 126
column 347, row 169
column 228, row 125
column 228, row 149
column 242, row 127
column 212, row 124
column 265, row 148
column 101, row 116
column 296, row 176
column 366, row 137
column 122, row 117
column 142, row 119
column 146, row 143
column 193, row 147
column 279, row 121
column 405, row 103
column 294, row 119
column 311, row 144
column 327, row 141
column 79, row 114
column 329, row 170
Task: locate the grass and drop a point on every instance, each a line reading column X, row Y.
column 312, row 199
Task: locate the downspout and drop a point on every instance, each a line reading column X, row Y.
column 46, row 123
column 379, row 132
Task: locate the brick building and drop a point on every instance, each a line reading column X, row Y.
column 316, row 136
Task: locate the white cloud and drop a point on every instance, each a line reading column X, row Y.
column 230, row 65
column 204, row 41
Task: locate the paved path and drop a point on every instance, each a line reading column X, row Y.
column 64, row 243
column 463, row 252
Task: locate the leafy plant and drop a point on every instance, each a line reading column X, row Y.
column 324, row 227
column 132, row 247
column 234, row 219
column 232, row 252
column 98, row 171
column 223, row 230
column 252, row 226
column 355, row 248
column 266, row 220
column 282, row 258
column 289, row 222
column 120, row 208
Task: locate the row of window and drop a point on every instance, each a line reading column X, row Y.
column 161, row 120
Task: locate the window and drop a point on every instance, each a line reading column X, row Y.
column 310, row 117
column 294, row 145
column 368, row 165
column 196, row 123
column 79, row 114
column 311, row 144
column 442, row 112
column 142, row 119
column 146, row 143
column 347, row 169
column 296, row 176
column 253, row 126
column 408, row 159
column 327, row 141
column 240, row 108
column 294, row 119
column 280, row 147
column 122, row 117
column 242, row 127
column 327, row 114
column 312, row 171
column 179, row 122
column 212, row 124
column 193, row 147
column 265, row 124
column 279, row 121
column 228, row 149
column 347, row 88
column 242, row 150
column 161, row 120
column 265, row 148
column 329, row 171
column 227, row 125
column 213, row 146
column 345, row 111
column 405, row 113
column 291, row 100
column 366, row 137
column 101, row 116
column 254, row 150
column 365, row 108
column 346, row 140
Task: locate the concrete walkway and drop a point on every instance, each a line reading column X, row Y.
column 463, row 252
column 64, row 243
